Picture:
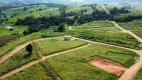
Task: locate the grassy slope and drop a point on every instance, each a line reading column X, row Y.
column 78, row 9
column 139, row 75
column 53, row 46
column 47, row 47
column 98, row 25
column 17, row 29
column 116, row 38
column 139, row 33
column 135, row 25
column 73, row 66
column 36, row 72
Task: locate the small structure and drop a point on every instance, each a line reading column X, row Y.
column 67, row 38
column 9, row 27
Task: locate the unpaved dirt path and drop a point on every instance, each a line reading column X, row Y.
column 37, row 61
column 18, row 48
column 131, row 73
column 108, row 45
column 127, row 31
column 104, row 8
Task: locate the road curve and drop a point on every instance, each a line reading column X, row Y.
column 131, row 73
column 18, row 48
column 127, row 31
column 104, row 8
column 37, row 61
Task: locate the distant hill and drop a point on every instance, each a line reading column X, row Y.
column 68, row 2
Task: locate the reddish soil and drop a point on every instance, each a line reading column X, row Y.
column 112, row 68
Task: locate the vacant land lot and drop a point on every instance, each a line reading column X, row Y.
column 47, row 47
column 98, row 26
column 139, row 33
column 116, row 38
column 78, row 9
column 73, row 65
column 139, row 75
column 135, row 25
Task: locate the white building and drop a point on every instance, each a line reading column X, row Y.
column 9, row 27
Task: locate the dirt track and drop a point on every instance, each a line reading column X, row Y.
column 37, row 61
column 130, row 74
column 105, row 9
column 18, row 48
column 127, row 31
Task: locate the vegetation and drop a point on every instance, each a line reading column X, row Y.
column 98, row 26
column 139, row 33
column 47, row 47
column 90, row 22
column 75, row 66
column 139, row 77
column 135, row 25
column 116, row 38
column 35, row 72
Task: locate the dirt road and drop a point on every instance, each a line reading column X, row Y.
column 18, row 48
column 105, row 9
column 37, row 61
column 127, row 31
column 131, row 73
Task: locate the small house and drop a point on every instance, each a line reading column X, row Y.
column 67, row 38
column 9, row 27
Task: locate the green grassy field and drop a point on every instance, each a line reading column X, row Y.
column 139, row 77
column 53, row 46
column 78, row 9
column 73, row 65
column 16, row 29
column 115, row 38
column 135, row 25
column 98, row 26
column 47, row 47
column 35, row 72
column 139, row 33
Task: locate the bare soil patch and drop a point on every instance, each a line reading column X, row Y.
column 112, row 68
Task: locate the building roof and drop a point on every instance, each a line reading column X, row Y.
column 9, row 27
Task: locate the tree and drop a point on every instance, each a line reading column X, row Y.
column 29, row 48
column 61, row 28
column 25, row 9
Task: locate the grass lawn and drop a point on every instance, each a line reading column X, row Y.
column 73, row 66
column 78, row 9
column 35, row 72
column 135, row 25
column 12, row 44
column 99, row 26
column 53, row 45
column 139, row 33
column 47, row 47
column 115, row 38
column 16, row 29
column 139, row 75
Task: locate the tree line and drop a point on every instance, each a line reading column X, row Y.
column 71, row 18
